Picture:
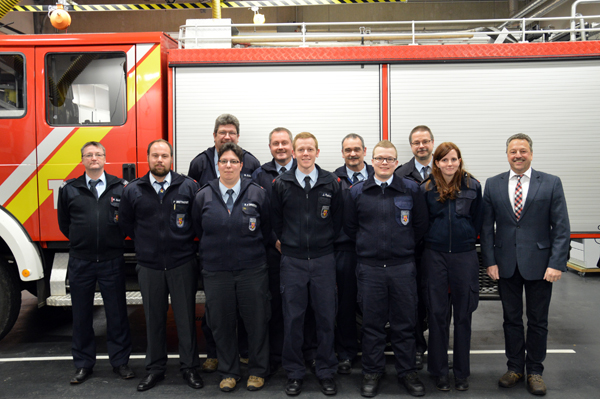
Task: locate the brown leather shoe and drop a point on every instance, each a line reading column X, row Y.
column 535, row 385
column 510, row 379
column 210, row 365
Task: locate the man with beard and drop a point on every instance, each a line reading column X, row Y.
column 353, row 171
column 156, row 213
column 418, row 169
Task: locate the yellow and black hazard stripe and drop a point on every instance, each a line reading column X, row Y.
column 193, row 6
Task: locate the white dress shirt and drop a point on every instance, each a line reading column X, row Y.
column 512, row 185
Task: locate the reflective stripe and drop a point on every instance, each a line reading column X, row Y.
column 27, row 167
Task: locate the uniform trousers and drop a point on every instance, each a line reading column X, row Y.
column 243, row 293
column 110, row 276
column 388, row 294
column 276, row 322
column 458, row 272
column 181, row 283
column 304, row 281
column 346, row 340
column 422, row 324
column 211, row 345
column 537, row 297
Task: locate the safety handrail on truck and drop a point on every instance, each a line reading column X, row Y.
column 403, row 32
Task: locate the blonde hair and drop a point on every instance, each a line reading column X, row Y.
column 385, row 144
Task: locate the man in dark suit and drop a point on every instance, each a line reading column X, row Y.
column 418, row 169
column 529, row 249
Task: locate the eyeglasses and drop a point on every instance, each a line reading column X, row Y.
column 233, row 162
column 418, row 143
column 223, row 134
column 381, row 160
column 97, row 155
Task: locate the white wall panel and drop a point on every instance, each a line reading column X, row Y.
column 328, row 101
column 479, row 105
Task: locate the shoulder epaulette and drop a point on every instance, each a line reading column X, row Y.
column 67, row 182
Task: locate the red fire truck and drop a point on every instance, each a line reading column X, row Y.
column 59, row 91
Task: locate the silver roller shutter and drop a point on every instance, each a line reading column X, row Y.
column 328, row 101
column 479, row 105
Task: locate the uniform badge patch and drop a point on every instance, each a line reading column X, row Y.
column 252, row 224
column 404, row 217
column 325, row 211
column 116, row 216
column 180, row 220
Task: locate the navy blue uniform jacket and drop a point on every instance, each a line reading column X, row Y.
column 264, row 177
column 386, row 226
column 202, row 167
column 343, row 242
column 79, row 213
column 538, row 240
column 232, row 241
column 162, row 230
column 307, row 225
column 454, row 225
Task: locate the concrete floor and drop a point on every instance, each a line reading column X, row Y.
column 35, row 357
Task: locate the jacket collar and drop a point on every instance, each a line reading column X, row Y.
column 324, row 177
column 244, row 184
column 342, row 173
column 110, row 180
column 176, row 179
column 397, row 184
column 272, row 167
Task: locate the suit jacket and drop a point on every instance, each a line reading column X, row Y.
column 540, row 239
column 409, row 170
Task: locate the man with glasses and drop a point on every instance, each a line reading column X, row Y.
column 421, row 145
column 88, row 212
column 203, row 169
column 354, row 170
column 387, row 216
column 307, row 216
column 418, row 169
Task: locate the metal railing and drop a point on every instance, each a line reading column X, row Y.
column 404, row 32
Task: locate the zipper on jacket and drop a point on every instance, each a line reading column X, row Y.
column 162, row 220
column 98, row 227
column 307, row 224
column 449, row 227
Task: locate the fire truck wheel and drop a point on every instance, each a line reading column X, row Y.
column 10, row 297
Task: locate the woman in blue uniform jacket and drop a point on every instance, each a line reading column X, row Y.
column 450, row 262
column 231, row 218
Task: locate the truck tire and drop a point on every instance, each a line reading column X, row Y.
column 10, row 297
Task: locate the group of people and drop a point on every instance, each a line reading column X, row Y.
column 290, row 252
